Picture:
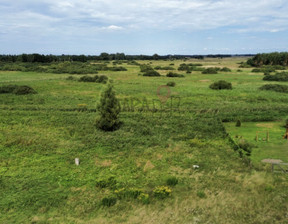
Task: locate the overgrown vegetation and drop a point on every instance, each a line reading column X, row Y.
column 174, row 155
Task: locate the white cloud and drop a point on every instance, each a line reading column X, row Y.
column 160, row 14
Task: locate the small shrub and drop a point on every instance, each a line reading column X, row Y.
column 225, row 69
column 172, row 74
column 221, row 85
column 210, row 71
column 151, row 73
column 275, row 88
column 24, row 90
column 171, row 84
column 201, row 194
column 164, row 68
column 109, row 201
column 238, row 123
column 172, row 181
column 162, row 192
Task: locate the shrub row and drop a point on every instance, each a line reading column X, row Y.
column 96, row 78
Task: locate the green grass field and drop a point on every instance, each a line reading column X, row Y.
column 42, row 134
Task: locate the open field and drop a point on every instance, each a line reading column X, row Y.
column 42, row 134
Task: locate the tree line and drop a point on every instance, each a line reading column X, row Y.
column 41, row 58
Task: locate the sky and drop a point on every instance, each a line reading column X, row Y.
column 186, row 27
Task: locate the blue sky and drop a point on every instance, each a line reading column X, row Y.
column 143, row 27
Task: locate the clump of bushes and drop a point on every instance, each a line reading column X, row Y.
column 173, row 74
column 18, row 90
column 282, row 77
column 171, row 84
column 96, row 78
column 275, row 87
column 221, row 85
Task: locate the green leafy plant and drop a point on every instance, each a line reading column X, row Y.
column 162, row 192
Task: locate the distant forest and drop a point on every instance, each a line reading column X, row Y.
column 275, row 58
column 40, row 58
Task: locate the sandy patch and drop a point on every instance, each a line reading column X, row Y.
column 265, row 125
column 205, row 80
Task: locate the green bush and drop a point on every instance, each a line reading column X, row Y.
column 172, row 181
column 162, row 192
column 238, row 123
column 246, row 146
column 225, row 69
column 24, row 90
column 210, row 71
column 8, row 88
column 151, row 73
column 109, row 201
column 275, row 87
column 221, row 85
column 201, row 194
column 171, row 84
column 172, row 74
column 282, row 77
column 96, row 78
column 164, row 68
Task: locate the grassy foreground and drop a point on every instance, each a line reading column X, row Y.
column 42, row 134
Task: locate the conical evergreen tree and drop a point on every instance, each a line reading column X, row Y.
column 109, row 109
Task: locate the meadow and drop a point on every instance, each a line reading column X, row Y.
column 159, row 142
